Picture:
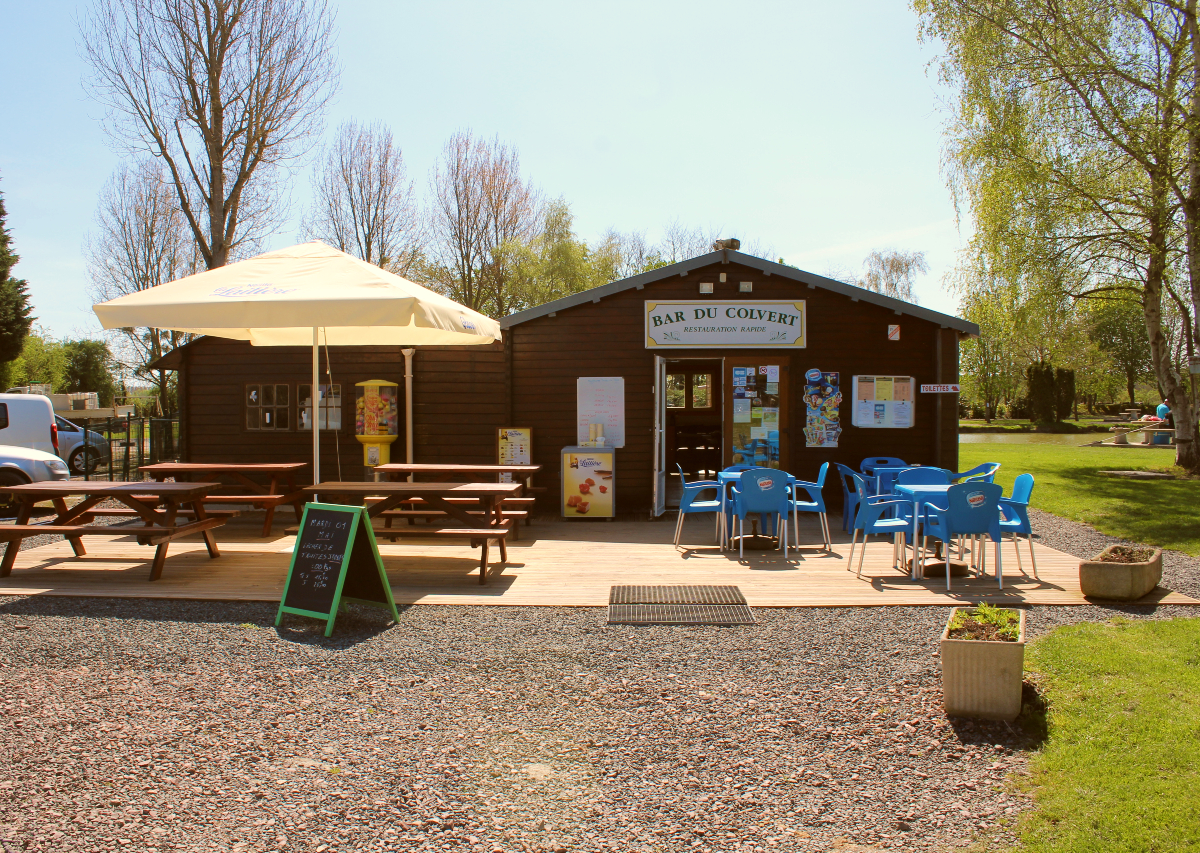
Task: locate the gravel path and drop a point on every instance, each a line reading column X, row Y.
column 185, row 726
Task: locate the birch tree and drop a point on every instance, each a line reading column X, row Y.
column 1073, row 144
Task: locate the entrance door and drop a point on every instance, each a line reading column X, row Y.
column 693, row 434
column 756, row 410
column 660, row 448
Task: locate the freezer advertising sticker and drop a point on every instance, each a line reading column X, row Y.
column 976, row 499
column 587, row 484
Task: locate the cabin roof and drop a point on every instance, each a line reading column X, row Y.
column 770, row 268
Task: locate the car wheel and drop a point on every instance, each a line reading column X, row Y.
column 8, row 506
column 83, row 460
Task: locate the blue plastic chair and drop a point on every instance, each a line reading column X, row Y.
column 815, row 503
column 762, row 490
column 874, row 461
column 972, row 509
column 985, row 473
column 1014, row 518
column 688, row 503
column 882, row 515
column 924, row 476
column 850, row 495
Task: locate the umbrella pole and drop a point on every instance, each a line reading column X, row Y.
column 315, row 397
column 408, row 411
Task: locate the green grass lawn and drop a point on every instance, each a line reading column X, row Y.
column 1069, row 484
column 1084, row 424
column 1120, row 770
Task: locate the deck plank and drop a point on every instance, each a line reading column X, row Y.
column 554, row 563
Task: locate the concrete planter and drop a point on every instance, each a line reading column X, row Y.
column 1119, row 581
column 982, row 678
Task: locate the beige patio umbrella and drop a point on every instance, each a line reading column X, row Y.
column 306, row 294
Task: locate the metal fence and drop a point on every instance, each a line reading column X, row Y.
column 117, row 447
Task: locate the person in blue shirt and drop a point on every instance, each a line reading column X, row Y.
column 1164, row 414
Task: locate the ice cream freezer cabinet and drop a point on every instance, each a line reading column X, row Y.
column 587, row 482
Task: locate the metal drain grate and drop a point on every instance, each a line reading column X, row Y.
column 708, row 595
column 680, row 614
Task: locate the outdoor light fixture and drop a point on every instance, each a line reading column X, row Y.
column 706, row 287
column 746, row 286
column 722, row 278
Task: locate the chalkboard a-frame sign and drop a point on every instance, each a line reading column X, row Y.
column 335, row 559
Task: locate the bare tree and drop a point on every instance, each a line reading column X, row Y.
column 364, row 203
column 891, row 273
column 142, row 241
column 480, row 203
column 224, row 91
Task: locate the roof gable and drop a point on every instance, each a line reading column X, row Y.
column 769, row 268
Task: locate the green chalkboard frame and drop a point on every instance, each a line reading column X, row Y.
column 359, row 519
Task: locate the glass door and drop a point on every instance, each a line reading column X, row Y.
column 756, row 410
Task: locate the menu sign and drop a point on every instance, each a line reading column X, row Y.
column 883, row 402
column 335, row 559
column 514, row 446
column 736, row 324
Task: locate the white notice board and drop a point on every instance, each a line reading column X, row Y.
column 883, row 402
column 601, row 400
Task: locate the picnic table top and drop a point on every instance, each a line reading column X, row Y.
column 218, row 467
column 385, row 487
column 454, row 468
column 61, row 488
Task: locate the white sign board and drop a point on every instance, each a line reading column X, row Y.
column 734, row 324
column 601, row 400
column 952, row 388
column 883, row 402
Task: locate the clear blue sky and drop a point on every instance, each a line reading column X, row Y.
column 811, row 127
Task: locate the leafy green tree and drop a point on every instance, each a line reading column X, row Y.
column 16, row 314
column 1116, row 326
column 1074, row 142
column 555, row 263
column 89, row 367
column 42, row 361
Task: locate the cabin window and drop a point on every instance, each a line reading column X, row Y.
column 677, row 390
column 689, row 391
column 329, row 409
column 267, row 406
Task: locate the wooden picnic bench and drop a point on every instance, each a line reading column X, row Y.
column 157, row 504
column 479, row 527
column 280, row 489
column 519, row 506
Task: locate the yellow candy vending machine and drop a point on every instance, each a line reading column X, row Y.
column 587, row 482
column 376, row 420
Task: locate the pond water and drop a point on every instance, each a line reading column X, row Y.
column 1071, row 440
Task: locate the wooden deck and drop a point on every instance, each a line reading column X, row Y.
column 553, row 563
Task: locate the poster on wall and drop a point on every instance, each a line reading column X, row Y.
column 822, row 401
column 514, row 446
column 883, row 402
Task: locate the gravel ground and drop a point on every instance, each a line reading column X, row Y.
column 170, row 725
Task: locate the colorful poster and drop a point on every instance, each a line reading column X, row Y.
column 822, row 400
column 741, row 411
column 883, row 402
column 770, row 417
column 740, row 374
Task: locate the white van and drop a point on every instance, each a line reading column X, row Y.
column 27, row 420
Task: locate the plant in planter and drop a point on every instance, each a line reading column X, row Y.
column 983, row 658
column 1121, row 572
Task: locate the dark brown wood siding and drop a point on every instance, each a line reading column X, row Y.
column 463, row 394
column 458, row 400
column 607, row 338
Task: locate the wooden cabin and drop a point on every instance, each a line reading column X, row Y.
column 724, row 358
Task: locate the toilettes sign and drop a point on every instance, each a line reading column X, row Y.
column 743, row 324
